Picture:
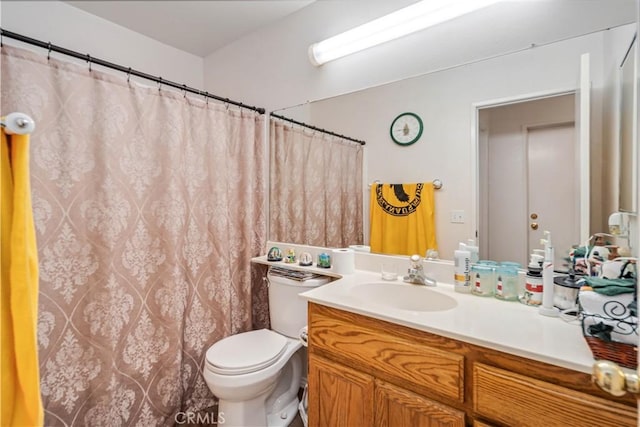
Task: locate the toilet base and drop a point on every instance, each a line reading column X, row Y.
column 285, row 417
column 251, row 414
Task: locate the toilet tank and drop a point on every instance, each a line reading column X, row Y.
column 287, row 309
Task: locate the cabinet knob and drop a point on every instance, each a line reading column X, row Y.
column 612, row 379
column 534, row 225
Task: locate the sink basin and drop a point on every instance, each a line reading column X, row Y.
column 403, row 296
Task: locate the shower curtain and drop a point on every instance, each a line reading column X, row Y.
column 315, row 187
column 148, row 206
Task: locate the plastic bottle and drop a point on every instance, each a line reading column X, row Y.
column 547, row 308
column 462, row 266
column 473, row 250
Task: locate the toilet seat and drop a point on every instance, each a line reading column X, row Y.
column 246, row 352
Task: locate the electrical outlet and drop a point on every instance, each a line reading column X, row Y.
column 457, row 217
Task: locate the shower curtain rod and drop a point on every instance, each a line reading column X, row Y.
column 277, row 116
column 128, row 70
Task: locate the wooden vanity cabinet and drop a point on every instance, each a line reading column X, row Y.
column 367, row 372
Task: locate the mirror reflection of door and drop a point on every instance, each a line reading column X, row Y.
column 528, row 168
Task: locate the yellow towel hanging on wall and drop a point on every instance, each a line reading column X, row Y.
column 402, row 218
column 21, row 401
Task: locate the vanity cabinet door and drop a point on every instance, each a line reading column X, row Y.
column 396, row 407
column 339, row 396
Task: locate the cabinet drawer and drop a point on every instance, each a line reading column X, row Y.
column 394, row 358
column 515, row 399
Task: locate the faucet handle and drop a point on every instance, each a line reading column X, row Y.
column 416, row 261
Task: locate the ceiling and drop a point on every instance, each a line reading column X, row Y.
column 202, row 27
column 197, row 27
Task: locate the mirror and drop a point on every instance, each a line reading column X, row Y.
column 445, row 100
column 627, row 154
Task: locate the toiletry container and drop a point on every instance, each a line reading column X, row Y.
column 462, row 266
column 473, row 250
column 483, row 279
column 532, row 293
column 257, row 375
column 507, row 281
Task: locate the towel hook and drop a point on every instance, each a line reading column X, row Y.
column 437, row 184
column 18, row 124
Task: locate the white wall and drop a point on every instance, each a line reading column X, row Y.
column 616, row 43
column 72, row 28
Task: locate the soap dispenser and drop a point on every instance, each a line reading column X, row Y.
column 547, row 308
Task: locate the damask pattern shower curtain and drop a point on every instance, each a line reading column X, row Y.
column 315, row 187
column 148, row 206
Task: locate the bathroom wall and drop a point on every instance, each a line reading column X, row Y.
column 72, row 28
column 616, row 43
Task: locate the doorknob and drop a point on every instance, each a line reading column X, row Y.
column 612, row 379
column 534, row 225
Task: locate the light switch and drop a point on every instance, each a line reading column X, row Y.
column 457, row 217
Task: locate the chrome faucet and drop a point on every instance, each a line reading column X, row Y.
column 416, row 273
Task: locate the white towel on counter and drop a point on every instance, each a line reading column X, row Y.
column 612, row 311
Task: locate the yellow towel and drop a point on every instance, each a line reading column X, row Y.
column 21, row 402
column 402, row 219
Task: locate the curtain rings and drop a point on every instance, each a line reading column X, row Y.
column 184, row 91
column 89, row 61
column 48, row 51
column 226, row 104
column 206, row 98
column 128, row 74
column 159, row 83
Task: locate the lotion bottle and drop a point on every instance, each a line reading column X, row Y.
column 473, row 250
column 462, row 266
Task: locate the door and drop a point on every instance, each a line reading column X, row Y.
column 398, row 407
column 346, row 395
column 514, row 181
column 553, row 196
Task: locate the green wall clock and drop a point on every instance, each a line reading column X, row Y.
column 406, row 129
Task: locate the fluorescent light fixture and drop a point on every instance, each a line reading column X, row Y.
column 405, row 21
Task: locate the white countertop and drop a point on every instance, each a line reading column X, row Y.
column 507, row 326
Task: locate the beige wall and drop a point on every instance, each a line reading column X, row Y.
column 72, row 28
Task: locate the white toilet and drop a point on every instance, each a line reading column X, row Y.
column 256, row 375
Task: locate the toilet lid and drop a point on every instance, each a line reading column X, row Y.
column 246, row 352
